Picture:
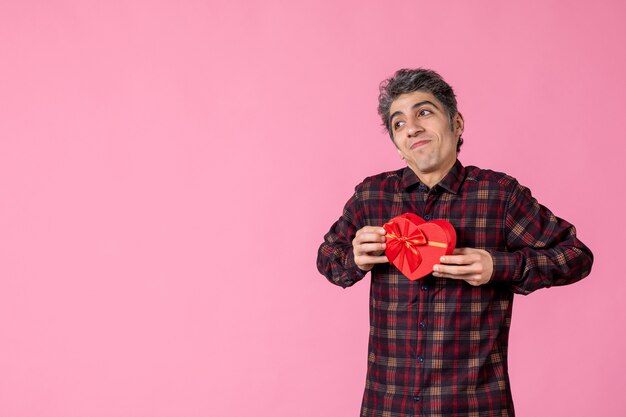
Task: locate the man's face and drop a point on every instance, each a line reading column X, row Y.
column 422, row 133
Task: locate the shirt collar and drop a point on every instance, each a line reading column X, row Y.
column 451, row 181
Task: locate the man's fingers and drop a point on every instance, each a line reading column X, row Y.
column 458, row 259
column 447, row 269
column 369, row 234
column 371, row 229
column 475, row 266
column 458, row 269
column 469, row 278
column 368, row 238
column 369, row 259
column 366, row 248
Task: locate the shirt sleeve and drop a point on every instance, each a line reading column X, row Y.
column 542, row 249
column 335, row 259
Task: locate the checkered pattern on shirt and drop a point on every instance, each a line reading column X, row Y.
column 438, row 347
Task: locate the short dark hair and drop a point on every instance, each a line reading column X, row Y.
column 409, row 80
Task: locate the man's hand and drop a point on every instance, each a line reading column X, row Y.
column 474, row 266
column 368, row 246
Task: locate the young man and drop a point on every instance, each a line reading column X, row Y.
column 438, row 346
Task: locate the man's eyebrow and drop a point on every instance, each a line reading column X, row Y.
column 418, row 104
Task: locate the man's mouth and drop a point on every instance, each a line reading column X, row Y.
column 420, row 143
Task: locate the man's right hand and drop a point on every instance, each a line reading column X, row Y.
column 368, row 246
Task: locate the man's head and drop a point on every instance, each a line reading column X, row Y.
column 409, row 80
column 419, row 110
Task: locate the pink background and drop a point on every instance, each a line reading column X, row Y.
column 168, row 170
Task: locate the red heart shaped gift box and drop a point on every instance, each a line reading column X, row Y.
column 415, row 245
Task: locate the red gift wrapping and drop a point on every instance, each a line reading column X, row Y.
column 415, row 245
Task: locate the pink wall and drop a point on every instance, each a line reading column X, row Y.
column 168, row 170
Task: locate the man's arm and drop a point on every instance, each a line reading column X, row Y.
column 542, row 251
column 349, row 252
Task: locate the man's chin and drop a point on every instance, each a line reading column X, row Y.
column 425, row 167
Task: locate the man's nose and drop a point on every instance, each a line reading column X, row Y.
column 413, row 127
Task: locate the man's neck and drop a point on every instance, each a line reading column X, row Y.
column 430, row 179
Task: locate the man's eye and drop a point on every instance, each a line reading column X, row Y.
column 424, row 112
column 398, row 125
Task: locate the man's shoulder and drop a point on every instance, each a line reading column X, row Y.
column 490, row 177
column 383, row 181
column 390, row 181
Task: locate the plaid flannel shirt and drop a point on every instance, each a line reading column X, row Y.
column 438, row 347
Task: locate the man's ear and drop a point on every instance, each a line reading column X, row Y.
column 458, row 124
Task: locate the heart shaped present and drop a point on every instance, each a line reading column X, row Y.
column 415, row 245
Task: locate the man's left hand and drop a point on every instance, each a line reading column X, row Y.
column 473, row 266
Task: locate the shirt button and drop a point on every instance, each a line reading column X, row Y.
column 424, row 288
column 422, row 325
column 427, row 217
column 417, row 398
column 420, row 359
